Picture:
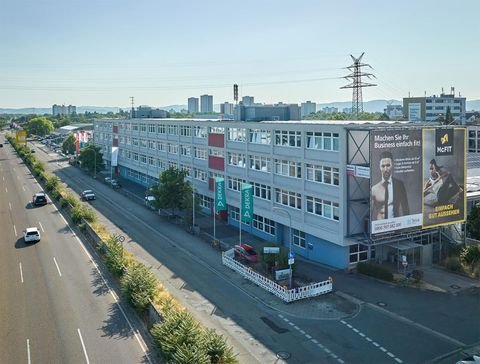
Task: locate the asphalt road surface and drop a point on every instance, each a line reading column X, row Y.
column 55, row 306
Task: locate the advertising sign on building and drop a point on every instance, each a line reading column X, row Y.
column 414, row 111
column 247, row 202
column 220, row 200
column 443, row 176
column 114, row 156
column 21, row 137
column 417, row 178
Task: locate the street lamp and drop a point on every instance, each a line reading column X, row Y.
column 290, row 257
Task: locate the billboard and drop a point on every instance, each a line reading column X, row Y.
column 21, row 137
column 417, row 178
column 444, row 176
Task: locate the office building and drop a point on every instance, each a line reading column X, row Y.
column 267, row 112
column 248, row 101
column 394, row 112
column 206, row 103
column 62, row 110
column 227, row 109
column 434, row 108
column 308, row 108
column 193, row 105
column 311, row 179
column 330, row 110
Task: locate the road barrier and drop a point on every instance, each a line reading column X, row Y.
column 287, row 295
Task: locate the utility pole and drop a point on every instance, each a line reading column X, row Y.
column 132, row 113
column 356, row 77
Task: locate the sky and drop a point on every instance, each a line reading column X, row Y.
column 102, row 52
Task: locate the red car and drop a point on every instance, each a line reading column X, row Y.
column 246, row 253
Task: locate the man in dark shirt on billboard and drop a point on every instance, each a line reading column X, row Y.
column 389, row 197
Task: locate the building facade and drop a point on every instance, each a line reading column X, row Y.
column 248, row 100
column 227, row 109
column 301, row 167
column 206, row 103
column 267, row 112
column 308, row 108
column 193, row 105
column 394, row 112
column 330, row 110
column 62, row 110
column 434, row 108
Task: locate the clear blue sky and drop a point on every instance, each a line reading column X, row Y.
column 162, row 52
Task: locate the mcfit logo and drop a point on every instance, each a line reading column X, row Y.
column 443, row 142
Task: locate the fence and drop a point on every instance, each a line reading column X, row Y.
column 287, row 295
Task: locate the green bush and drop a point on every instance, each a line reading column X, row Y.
column 69, row 199
column 470, row 255
column 138, row 285
column 217, row 349
column 188, row 355
column 453, row 264
column 80, row 212
column 114, row 257
column 375, row 270
column 52, row 183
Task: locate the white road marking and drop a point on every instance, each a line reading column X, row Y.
column 374, row 343
column 355, row 330
column 390, row 354
column 361, row 334
column 24, row 188
column 28, row 351
column 368, row 339
column 39, row 223
column 15, row 230
column 83, row 346
column 58, row 268
column 21, row 271
column 291, row 323
column 382, row 349
column 10, row 206
column 136, row 334
column 296, row 327
column 398, row 360
column 314, row 341
column 18, row 177
column 6, row 190
column 308, row 336
column 302, row 332
column 340, row 361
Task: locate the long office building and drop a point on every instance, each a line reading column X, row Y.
column 315, row 183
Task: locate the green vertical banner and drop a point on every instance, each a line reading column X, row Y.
column 220, row 200
column 247, row 202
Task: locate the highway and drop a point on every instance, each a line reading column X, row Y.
column 415, row 326
column 55, row 305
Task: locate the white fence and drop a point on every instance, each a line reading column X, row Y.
column 287, row 295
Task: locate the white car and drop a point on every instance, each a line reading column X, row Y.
column 150, row 202
column 88, row 195
column 31, row 234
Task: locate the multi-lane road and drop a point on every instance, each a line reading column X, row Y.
column 55, row 306
column 413, row 327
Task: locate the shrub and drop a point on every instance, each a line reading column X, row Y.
column 69, row 199
column 188, row 355
column 139, row 285
column 375, row 270
column 52, row 183
column 80, row 212
column 453, row 264
column 114, row 257
column 417, row 275
column 217, row 349
column 470, row 255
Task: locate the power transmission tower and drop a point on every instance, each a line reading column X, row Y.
column 357, row 84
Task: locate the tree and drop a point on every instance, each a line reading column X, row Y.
column 68, row 145
column 171, row 190
column 473, row 222
column 39, row 126
column 448, row 117
column 91, row 158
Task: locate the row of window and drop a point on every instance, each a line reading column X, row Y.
column 259, row 222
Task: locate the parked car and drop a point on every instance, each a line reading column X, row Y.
column 39, row 199
column 31, row 234
column 150, row 202
column 246, row 253
column 1, row 145
column 115, row 184
column 88, row 195
column 107, row 180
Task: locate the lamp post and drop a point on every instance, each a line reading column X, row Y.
column 290, row 256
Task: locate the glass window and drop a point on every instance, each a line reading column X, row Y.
column 299, row 238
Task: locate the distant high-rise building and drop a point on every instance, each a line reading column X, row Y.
column 394, row 112
column 268, row 112
column 206, row 103
column 433, row 108
column 192, row 105
column 144, row 111
column 248, row 100
column 226, row 108
column 330, row 110
column 62, row 110
column 308, row 108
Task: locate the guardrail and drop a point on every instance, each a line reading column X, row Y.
column 287, row 295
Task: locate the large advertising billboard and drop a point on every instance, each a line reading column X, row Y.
column 417, row 178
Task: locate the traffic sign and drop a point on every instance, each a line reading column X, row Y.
column 291, row 261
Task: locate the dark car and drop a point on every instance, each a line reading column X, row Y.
column 39, row 199
column 1, row 145
column 246, row 253
column 88, row 195
column 115, row 184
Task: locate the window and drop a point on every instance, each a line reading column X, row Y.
column 323, row 141
column 162, row 147
column 260, row 163
column 288, row 138
column 143, row 159
column 172, row 164
column 200, row 153
column 263, row 224
column 151, row 144
column 151, row 161
column 217, row 130
column 185, row 130
column 135, row 156
column 172, row 130
column 299, row 238
column 186, row 169
column 172, row 148
column 200, row 174
column 259, row 136
column 143, row 143
column 358, row 253
column 288, row 168
column 205, row 202
column 235, row 184
column 135, row 127
column 235, row 213
column 262, row 191
column 161, row 164
column 151, row 128
column 200, row 131
column 236, row 159
column 161, row 129
column 185, row 150
column 217, row 153
column 288, row 198
column 134, row 141
column 324, row 208
column 236, row 134
column 143, row 128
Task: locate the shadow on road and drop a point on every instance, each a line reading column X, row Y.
column 20, row 244
column 115, row 326
column 100, row 288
